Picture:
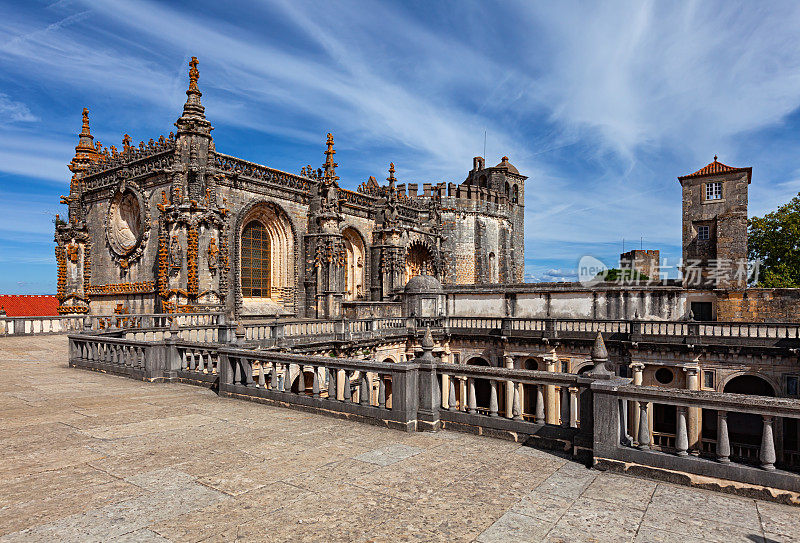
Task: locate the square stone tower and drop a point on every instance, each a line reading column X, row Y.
column 715, row 226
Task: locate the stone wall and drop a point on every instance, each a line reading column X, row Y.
column 567, row 301
column 759, row 305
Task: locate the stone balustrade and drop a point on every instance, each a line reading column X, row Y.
column 552, row 420
column 136, row 359
column 615, row 448
column 583, row 415
column 24, row 326
column 365, row 390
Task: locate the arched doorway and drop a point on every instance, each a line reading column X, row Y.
column 266, row 256
column 356, row 259
column 418, row 260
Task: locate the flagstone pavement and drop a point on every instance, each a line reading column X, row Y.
column 93, row 457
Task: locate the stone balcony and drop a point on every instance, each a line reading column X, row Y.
column 90, row 457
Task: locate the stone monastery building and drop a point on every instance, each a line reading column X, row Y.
column 174, row 225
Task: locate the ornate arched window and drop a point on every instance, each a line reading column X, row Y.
column 255, row 261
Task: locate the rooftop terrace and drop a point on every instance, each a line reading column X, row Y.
column 91, row 457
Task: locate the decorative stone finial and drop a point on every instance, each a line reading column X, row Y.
column 505, row 159
column 85, row 151
column 427, row 340
column 391, row 179
column 600, row 359
column 599, row 351
column 330, row 165
column 715, row 158
column 193, row 111
column 194, row 74
column 126, row 143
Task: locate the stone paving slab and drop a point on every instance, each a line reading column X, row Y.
column 94, row 457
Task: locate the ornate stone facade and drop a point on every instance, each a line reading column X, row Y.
column 173, row 225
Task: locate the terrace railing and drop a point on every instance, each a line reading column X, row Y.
column 574, row 413
column 613, row 447
column 25, row 326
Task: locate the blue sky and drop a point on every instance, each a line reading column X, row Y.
column 602, row 104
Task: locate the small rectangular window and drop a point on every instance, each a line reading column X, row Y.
column 708, row 379
column 714, row 191
column 703, row 233
column 792, row 385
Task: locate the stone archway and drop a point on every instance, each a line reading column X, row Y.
column 419, row 260
column 266, row 259
column 356, row 261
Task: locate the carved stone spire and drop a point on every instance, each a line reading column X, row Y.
column 391, row 178
column 194, row 117
column 330, row 165
column 85, row 152
column 193, row 94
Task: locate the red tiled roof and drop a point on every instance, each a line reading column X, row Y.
column 23, row 305
column 715, row 168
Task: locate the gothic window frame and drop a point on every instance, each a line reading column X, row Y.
column 264, row 259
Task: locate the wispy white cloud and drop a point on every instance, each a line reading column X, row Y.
column 603, row 105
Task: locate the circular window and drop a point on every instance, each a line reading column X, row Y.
column 664, row 376
column 126, row 224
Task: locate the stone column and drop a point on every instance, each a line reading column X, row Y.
column 693, row 426
column 633, row 408
column 551, row 414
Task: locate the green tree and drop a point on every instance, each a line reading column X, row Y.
column 774, row 239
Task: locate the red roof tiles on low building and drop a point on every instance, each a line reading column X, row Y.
column 29, row 305
column 715, row 168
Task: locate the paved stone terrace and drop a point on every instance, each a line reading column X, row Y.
column 93, row 457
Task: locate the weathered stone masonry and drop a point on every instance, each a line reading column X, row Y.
column 158, row 227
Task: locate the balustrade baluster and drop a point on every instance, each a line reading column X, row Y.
column 472, row 406
column 539, row 416
column 237, row 370
column 451, row 394
column 346, row 394
column 723, row 442
column 493, row 398
column 381, row 391
column 331, row 383
column 644, row 427
column 184, row 361
column 462, row 388
column 564, row 393
column 287, row 378
column 767, row 452
column 315, row 383
column 261, row 380
column 200, row 362
column 364, row 388
column 192, row 363
column 516, row 411
column 273, row 376
column 681, row 437
column 210, row 365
